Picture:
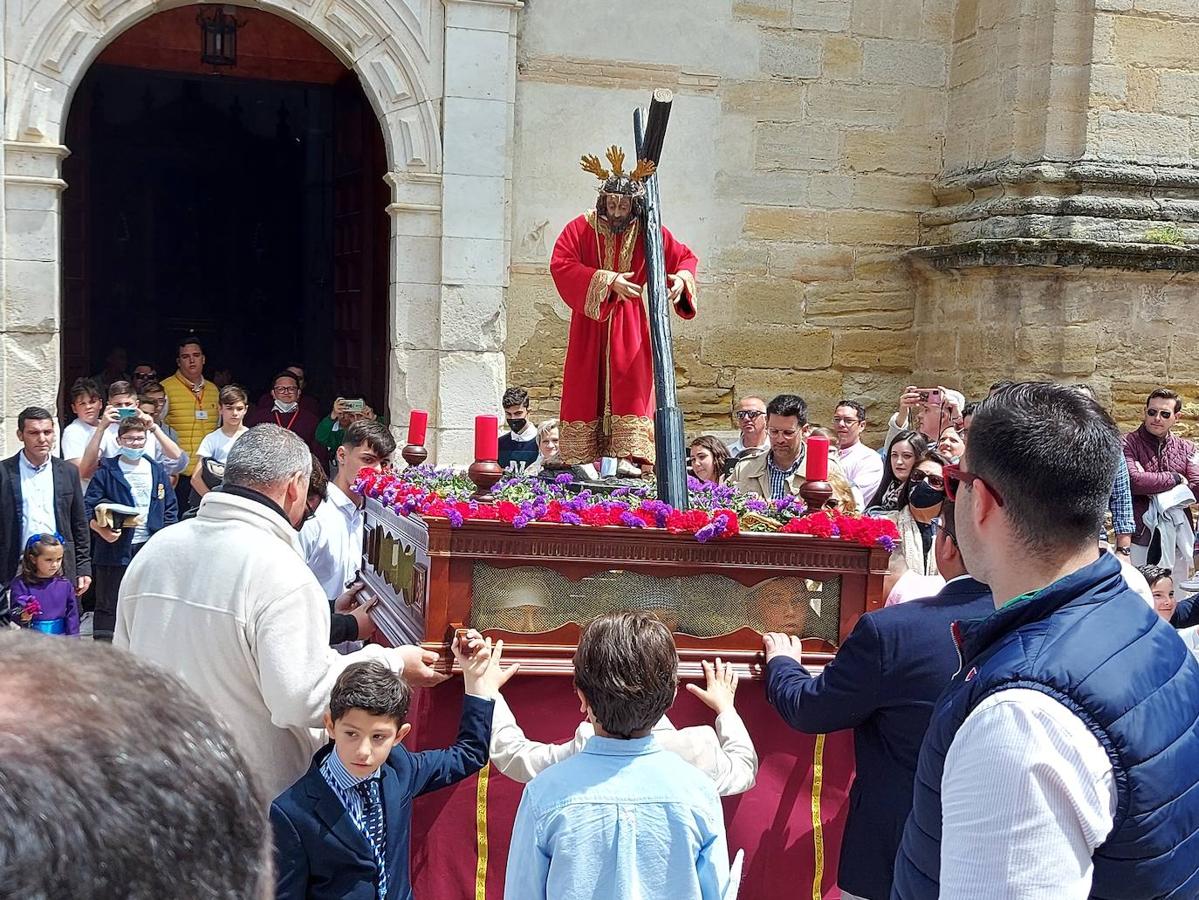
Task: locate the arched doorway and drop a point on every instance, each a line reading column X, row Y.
column 243, row 203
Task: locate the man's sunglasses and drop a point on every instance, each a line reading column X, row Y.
column 748, row 414
column 935, row 481
column 954, row 476
column 1155, row 413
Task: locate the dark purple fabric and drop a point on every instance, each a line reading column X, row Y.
column 56, row 598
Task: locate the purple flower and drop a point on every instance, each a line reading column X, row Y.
column 570, row 518
column 757, row 504
column 706, row 533
column 630, row 520
column 887, row 543
column 455, row 518
column 564, row 478
column 520, row 521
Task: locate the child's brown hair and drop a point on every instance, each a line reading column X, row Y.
column 33, row 549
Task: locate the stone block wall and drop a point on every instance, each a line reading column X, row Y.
column 804, row 141
column 1123, row 333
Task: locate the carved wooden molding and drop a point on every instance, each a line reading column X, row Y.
column 541, row 541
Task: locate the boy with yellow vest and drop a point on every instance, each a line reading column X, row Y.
column 191, row 404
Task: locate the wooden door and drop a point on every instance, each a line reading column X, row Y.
column 75, row 347
column 361, row 234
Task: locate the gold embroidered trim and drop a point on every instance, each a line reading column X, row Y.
column 624, row 437
column 630, row 437
column 597, row 292
column 579, row 442
column 628, row 246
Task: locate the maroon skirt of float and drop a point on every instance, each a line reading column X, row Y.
column 532, row 587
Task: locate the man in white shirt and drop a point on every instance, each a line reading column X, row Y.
column 1060, row 762
column 332, row 539
column 862, row 466
column 44, row 496
column 749, row 416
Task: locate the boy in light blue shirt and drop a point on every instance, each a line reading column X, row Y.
column 622, row 820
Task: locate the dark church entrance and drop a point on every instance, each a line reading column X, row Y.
column 244, row 204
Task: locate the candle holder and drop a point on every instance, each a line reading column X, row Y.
column 484, row 473
column 816, row 494
column 414, row 454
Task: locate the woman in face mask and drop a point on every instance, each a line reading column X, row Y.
column 919, row 503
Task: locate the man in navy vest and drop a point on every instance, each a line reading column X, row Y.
column 882, row 683
column 1063, row 759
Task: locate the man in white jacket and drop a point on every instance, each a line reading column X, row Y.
column 226, row 603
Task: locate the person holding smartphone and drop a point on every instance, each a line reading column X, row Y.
column 122, row 405
column 935, row 408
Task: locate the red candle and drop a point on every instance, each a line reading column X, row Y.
column 817, row 458
column 418, row 424
column 487, row 438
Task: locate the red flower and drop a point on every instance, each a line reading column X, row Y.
column 732, row 526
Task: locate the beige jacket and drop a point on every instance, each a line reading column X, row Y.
column 751, row 477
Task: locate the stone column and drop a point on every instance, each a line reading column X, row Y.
column 415, row 297
column 480, row 96
column 30, row 281
column 1063, row 241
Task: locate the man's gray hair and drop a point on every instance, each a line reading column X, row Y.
column 266, row 456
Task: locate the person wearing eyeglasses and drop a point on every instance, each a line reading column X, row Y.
column 883, row 684
column 920, row 502
column 749, row 418
column 1060, row 760
column 862, row 465
column 1159, row 462
column 288, row 412
column 779, row 472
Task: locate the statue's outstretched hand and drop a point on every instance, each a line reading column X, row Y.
column 674, row 287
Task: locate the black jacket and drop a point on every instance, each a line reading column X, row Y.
column 882, row 683
column 69, row 516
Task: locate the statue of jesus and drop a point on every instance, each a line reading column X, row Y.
column 598, row 267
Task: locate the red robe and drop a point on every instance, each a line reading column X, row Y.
column 608, row 379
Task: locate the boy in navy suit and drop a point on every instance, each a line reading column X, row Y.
column 342, row 831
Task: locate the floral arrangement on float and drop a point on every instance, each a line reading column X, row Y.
column 717, row 511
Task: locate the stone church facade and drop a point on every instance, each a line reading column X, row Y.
column 959, row 189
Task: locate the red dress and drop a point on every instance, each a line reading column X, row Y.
column 608, row 380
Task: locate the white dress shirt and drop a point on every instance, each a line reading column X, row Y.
column 37, row 499
column 1027, row 794
column 726, row 754
column 864, row 468
column 332, row 541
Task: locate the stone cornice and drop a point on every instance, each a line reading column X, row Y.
column 1057, row 253
column 1090, row 203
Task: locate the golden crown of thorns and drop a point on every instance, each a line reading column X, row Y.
column 643, row 170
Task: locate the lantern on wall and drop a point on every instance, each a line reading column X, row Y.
column 218, row 37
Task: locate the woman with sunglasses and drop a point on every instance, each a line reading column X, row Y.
column 919, row 503
column 905, row 449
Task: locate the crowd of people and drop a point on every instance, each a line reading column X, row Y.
column 220, row 541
